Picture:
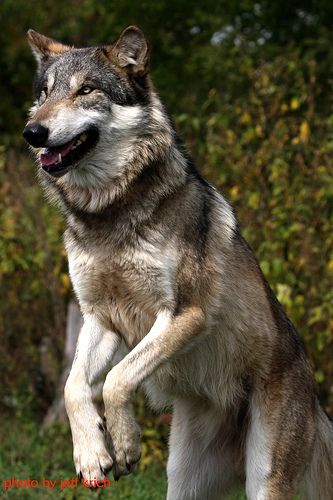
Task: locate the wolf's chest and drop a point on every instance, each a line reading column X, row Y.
column 125, row 291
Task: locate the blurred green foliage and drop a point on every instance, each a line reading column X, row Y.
column 249, row 86
column 33, row 285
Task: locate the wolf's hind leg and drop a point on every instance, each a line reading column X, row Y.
column 200, row 465
column 279, row 442
column 94, row 352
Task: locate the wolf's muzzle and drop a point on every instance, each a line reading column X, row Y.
column 36, row 134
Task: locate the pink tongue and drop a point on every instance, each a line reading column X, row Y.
column 50, row 157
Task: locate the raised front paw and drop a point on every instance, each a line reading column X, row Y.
column 125, row 436
column 91, row 457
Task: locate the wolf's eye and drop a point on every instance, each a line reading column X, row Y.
column 43, row 95
column 86, row 89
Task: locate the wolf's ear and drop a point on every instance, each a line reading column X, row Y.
column 44, row 47
column 131, row 51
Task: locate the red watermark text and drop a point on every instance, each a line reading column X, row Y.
column 51, row 484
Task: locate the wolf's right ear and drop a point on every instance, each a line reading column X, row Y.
column 131, row 51
column 44, row 48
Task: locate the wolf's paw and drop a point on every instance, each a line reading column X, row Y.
column 91, row 458
column 125, row 436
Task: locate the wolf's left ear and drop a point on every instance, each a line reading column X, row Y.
column 131, row 51
column 44, row 47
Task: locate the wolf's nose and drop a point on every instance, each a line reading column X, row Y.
column 36, row 134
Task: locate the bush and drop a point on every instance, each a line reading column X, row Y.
column 248, row 86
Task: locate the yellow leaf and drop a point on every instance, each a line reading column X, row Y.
column 294, row 103
column 65, row 281
column 304, row 131
column 149, row 432
column 245, row 118
column 259, row 130
column 319, row 376
column 234, row 192
column 254, row 200
column 283, row 293
column 230, row 137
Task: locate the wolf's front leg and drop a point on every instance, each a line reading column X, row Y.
column 169, row 334
column 94, row 352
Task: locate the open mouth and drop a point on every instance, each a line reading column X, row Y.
column 57, row 160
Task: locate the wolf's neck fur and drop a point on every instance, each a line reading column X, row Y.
column 153, row 149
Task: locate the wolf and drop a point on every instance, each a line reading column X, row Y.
column 169, row 289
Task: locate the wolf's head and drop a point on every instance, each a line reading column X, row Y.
column 95, row 108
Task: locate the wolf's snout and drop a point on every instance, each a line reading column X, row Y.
column 36, row 134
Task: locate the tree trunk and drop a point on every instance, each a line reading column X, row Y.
column 57, row 412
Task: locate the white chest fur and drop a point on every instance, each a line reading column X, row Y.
column 125, row 290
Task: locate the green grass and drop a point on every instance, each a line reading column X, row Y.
column 25, row 454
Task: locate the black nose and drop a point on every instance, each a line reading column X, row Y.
column 35, row 134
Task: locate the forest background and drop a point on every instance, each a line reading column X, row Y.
column 249, row 88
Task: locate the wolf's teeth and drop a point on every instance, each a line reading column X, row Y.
column 80, row 140
column 59, row 158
